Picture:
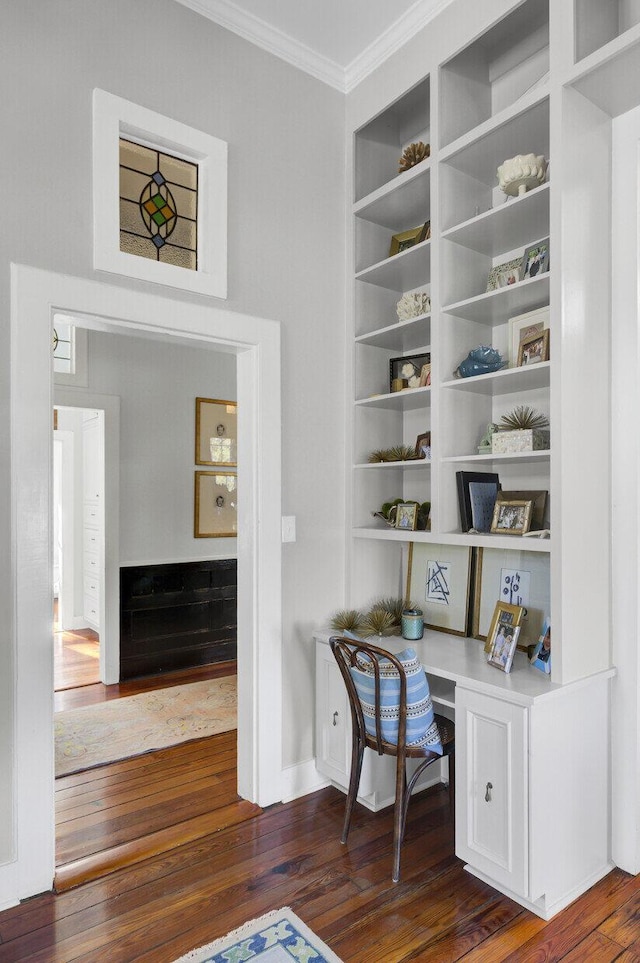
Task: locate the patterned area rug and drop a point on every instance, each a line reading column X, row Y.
column 278, row 937
column 94, row 735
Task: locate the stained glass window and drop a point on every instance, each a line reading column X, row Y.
column 158, row 205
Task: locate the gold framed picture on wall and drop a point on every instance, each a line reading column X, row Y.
column 215, row 505
column 216, row 432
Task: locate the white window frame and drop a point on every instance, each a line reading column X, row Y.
column 79, row 371
column 113, row 118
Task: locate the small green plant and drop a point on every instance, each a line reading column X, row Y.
column 378, row 622
column 522, row 416
column 391, row 605
column 347, row 620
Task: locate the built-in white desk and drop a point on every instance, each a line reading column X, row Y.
column 532, row 760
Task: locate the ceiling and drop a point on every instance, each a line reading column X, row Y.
column 337, row 41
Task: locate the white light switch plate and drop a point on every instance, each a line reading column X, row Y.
column 288, row 528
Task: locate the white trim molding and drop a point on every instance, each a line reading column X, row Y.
column 35, row 296
column 114, row 117
column 343, row 77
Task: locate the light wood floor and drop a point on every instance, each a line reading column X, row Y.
column 76, row 659
column 291, row 855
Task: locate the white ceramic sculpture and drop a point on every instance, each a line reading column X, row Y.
column 522, row 173
column 412, row 305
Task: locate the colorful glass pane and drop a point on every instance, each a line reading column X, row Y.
column 158, row 205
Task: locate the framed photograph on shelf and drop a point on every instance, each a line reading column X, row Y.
column 503, row 642
column 535, row 260
column 534, row 348
column 215, row 512
column 509, row 618
column 407, row 516
column 516, row 578
column 406, row 239
column 541, row 655
column 407, row 369
column 216, row 432
column 511, row 517
column 539, row 498
column 503, row 275
column 525, row 326
column 439, row 581
column 423, row 445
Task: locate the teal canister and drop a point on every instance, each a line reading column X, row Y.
column 412, row 624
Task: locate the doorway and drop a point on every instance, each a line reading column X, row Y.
column 256, row 343
column 78, row 545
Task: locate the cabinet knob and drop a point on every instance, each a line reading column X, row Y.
column 335, row 718
column 487, row 795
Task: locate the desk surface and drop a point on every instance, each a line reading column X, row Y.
column 463, row 662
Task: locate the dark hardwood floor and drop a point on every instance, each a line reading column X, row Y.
column 291, row 855
column 208, row 861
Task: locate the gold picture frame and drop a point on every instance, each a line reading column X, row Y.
column 406, row 239
column 511, row 517
column 215, row 500
column 504, row 614
column 216, row 435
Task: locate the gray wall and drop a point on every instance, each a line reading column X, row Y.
column 285, row 132
column 157, row 383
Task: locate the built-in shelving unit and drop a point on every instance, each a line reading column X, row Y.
column 490, row 96
column 493, row 103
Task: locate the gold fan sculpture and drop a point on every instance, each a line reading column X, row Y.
column 412, row 155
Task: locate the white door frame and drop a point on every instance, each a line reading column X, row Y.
column 35, row 296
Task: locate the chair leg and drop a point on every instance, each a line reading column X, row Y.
column 357, row 753
column 399, row 815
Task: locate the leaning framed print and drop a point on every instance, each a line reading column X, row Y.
column 439, row 581
column 514, row 577
column 216, row 432
column 215, row 513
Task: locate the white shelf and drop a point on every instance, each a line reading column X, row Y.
column 398, row 203
column 416, row 464
column 401, row 336
column 505, row 381
column 540, row 545
column 482, row 150
column 403, row 271
column 407, row 400
column 513, row 224
column 520, row 456
column 496, row 307
column 610, row 77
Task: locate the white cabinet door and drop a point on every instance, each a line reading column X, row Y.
column 491, row 788
column 333, row 725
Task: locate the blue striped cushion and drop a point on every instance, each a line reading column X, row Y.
column 421, row 726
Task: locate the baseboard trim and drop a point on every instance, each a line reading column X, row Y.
column 301, row 779
column 540, row 907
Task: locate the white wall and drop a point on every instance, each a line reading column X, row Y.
column 286, row 255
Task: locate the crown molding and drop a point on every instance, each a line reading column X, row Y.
column 274, row 41
column 257, row 31
column 398, row 34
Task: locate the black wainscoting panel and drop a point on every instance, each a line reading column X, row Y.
column 177, row 616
